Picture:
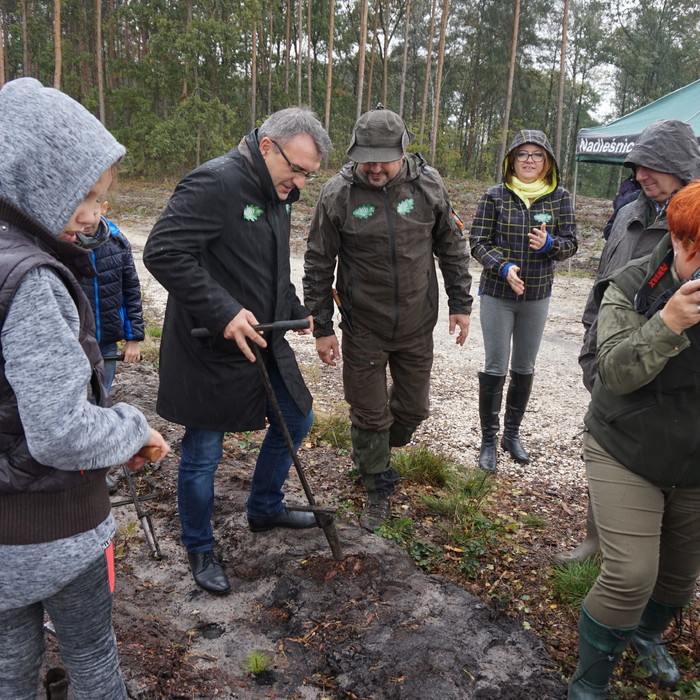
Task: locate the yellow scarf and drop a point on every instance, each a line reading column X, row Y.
column 529, row 191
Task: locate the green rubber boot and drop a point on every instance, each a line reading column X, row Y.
column 648, row 643
column 599, row 648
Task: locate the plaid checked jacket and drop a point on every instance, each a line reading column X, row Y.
column 499, row 236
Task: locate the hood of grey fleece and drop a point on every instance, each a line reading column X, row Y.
column 52, row 151
column 669, row 146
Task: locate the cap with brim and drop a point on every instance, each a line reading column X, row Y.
column 379, row 136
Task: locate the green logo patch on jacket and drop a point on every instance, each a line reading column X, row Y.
column 405, row 206
column 543, row 217
column 365, row 211
column 252, row 212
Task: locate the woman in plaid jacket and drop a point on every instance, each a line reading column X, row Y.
column 521, row 227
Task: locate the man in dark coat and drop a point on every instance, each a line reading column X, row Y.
column 221, row 249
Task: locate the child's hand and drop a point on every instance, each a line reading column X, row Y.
column 132, row 351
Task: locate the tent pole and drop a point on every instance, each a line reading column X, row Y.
column 573, row 199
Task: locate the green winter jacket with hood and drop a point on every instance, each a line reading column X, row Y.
column 385, row 240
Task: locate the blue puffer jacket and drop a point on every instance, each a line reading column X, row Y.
column 115, row 294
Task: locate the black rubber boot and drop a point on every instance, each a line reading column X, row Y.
column 490, row 396
column 647, row 642
column 56, row 683
column 516, row 402
column 599, row 648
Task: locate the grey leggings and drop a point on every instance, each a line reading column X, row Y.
column 649, row 537
column 503, row 319
column 82, row 615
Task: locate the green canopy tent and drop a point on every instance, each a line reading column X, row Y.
column 612, row 142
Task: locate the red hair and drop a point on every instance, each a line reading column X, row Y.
column 683, row 215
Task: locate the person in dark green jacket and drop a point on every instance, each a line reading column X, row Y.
column 642, row 452
column 384, row 218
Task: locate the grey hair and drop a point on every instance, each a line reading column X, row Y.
column 284, row 125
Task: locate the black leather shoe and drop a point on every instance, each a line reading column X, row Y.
column 295, row 519
column 208, row 573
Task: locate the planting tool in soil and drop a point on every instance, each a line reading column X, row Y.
column 151, row 454
column 324, row 516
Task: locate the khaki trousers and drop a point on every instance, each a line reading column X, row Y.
column 649, row 539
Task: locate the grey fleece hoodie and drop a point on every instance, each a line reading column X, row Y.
column 53, row 152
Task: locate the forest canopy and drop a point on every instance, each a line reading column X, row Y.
column 179, row 82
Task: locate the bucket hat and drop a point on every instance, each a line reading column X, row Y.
column 379, row 136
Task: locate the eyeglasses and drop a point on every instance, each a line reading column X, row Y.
column 292, row 167
column 522, row 157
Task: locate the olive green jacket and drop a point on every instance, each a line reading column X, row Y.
column 645, row 405
column 385, row 240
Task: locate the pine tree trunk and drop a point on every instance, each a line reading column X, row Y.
column 329, row 73
column 99, row 61
column 361, row 56
column 426, row 84
column 404, row 58
column 562, row 79
column 438, row 79
column 57, row 48
column 509, row 91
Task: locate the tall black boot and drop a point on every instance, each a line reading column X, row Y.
column 490, row 396
column 516, row 402
column 600, row 648
column 647, row 642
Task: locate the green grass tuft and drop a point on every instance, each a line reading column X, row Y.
column 420, row 465
column 572, row 581
column 331, row 430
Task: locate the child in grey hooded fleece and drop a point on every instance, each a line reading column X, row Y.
column 55, row 444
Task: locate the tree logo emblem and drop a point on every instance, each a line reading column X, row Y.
column 364, row 212
column 405, row 206
column 252, row 212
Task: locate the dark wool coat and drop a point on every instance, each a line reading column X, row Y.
column 115, row 294
column 221, row 245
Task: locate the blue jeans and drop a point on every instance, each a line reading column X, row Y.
column 200, row 456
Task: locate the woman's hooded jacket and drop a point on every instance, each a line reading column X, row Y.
column 499, row 232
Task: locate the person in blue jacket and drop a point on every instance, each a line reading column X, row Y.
column 114, row 294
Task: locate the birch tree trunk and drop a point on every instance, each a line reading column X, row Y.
column 253, row 74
